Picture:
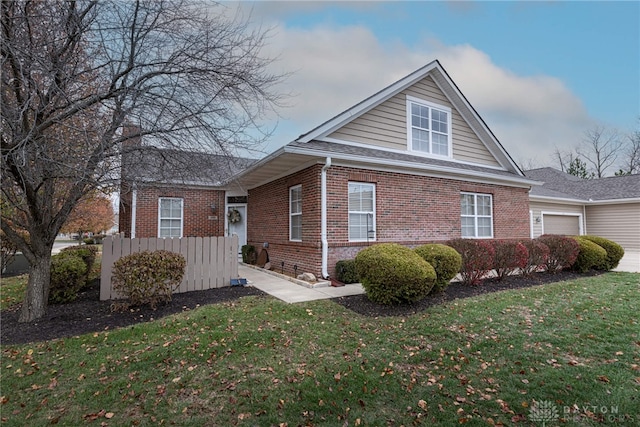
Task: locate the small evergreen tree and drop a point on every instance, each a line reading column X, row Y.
column 579, row 168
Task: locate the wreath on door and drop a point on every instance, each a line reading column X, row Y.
column 234, row 216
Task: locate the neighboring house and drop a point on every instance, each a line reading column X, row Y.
column 607, row 207
column 413, row 163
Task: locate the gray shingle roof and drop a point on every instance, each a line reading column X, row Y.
column 168, row 166
column 562, row 185
column 372, row 152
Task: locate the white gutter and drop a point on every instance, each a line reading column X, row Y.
column 323, row 218
column 134, row 197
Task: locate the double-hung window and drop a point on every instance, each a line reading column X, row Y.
column 476, row 215
column 362, row 212
column 170, row 214
column 428, row 127
column 295, row 213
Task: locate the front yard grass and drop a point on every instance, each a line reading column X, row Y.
column 12, row 290
column 572, row 346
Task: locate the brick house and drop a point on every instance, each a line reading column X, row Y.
column 413, row 163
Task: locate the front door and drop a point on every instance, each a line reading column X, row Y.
column 237, row 223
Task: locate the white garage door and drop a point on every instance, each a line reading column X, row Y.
column 561, row 224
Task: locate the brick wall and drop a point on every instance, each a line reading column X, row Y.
column 199, row 219
column 411, row 210
column 268, row 221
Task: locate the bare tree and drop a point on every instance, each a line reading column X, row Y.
column 600, row 149
column 572, row 164
column 631, row 155
column 563, row 158
column 75, row 72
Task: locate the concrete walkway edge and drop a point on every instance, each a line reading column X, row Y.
column 291, row 292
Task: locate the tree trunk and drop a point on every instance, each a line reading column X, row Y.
column 36, row 297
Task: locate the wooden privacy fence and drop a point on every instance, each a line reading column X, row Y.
column 211, row 261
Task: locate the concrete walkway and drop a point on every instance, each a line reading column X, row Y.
column 287, row 291
column 630, row 262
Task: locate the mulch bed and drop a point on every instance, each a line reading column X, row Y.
column 362, row 305
column 88, row 314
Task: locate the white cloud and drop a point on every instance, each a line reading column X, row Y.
column 337, row 66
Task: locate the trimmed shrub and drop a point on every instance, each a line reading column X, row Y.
column 68, row 276
column 590, row 255
column 538, row 255
column 615, row 252
column 477, row 259
column 87, row 253
column 346, row 271
column 563, row 251
column 510, row 256
column 445, row 260
column 249, row 254
column 391, row 273
column 148, row 277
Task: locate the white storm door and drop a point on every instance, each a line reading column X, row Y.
column 238, row 228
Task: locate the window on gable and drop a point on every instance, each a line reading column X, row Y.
column 428, row 127
column 295, row 213
column 362, row 212
column 170, row 214
column 476, row 215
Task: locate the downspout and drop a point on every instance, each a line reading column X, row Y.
column 584, row 219
column 323, row 217
column 134, row 196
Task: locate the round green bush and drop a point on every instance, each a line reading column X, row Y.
column 88, row 254
column 445, row 260
column 68, row 276
column 392, row 274
column 590, row 256
column 148, row 277
column 615, row 252
column 346, row 271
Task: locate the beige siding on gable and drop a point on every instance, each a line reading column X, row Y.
column 620, row 223
column 386, row 125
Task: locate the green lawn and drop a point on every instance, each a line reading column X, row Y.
column 12, row 290
column 572, row 346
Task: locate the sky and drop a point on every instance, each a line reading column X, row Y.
column 539, row 73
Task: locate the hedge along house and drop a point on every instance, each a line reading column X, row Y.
column 607, row 207
column 413, row 163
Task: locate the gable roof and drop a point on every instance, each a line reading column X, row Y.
column 448, row 88
column 558, row 184
column 314, row 147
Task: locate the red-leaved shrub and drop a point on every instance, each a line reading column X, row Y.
column 510, row 256
column 563, row 251
column 477, row 258
column 538, row 255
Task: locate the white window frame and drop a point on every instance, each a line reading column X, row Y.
column 295, row 214
column 160, row 217
column 475, row 215
column 431, row 106
column 372, row 213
